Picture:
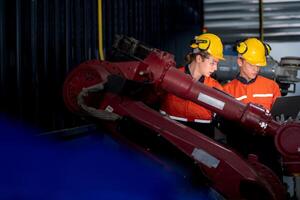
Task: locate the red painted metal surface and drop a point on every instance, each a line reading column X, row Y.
column 231, row 175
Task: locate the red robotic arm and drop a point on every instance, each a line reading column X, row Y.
column 234, row 177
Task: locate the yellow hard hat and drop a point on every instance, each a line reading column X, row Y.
column 208, row 42
column 254, row 51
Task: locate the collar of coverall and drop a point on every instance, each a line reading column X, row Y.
column 187, row 71
column 244, row 81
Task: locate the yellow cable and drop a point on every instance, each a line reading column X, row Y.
column 100, row 31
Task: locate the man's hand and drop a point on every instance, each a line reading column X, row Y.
column 281, row 119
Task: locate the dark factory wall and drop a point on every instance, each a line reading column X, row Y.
column 163, row 24
column 42, row 40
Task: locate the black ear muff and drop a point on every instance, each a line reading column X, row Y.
column 241, row 47
column 193, row 42
column 203, row 44
column 267, row 49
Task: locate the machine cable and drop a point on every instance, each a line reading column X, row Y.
column 100, row 114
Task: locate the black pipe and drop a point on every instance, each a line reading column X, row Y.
column 2, row 14
column 45, row 38
column 85, row 21
column 68, row 36
column 35, row 77
column 261, row 20
column 18, row 59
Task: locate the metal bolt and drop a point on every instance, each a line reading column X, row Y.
column 141, row 73
column 263, row 125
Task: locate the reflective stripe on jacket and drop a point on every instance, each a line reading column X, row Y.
column 185, row 110
column 262, row 91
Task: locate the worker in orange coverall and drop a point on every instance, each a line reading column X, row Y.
column 249, row 86
column 202, row 61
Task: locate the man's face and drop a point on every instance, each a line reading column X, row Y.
column 208, row 66
column 247, row 70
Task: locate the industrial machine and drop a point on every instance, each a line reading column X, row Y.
column 109, row 91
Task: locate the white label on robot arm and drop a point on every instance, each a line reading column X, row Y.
column 211, row 101
column 109, row 109
column 205, row 158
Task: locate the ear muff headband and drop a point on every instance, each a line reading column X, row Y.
column 203, row 44
column 267, row 48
